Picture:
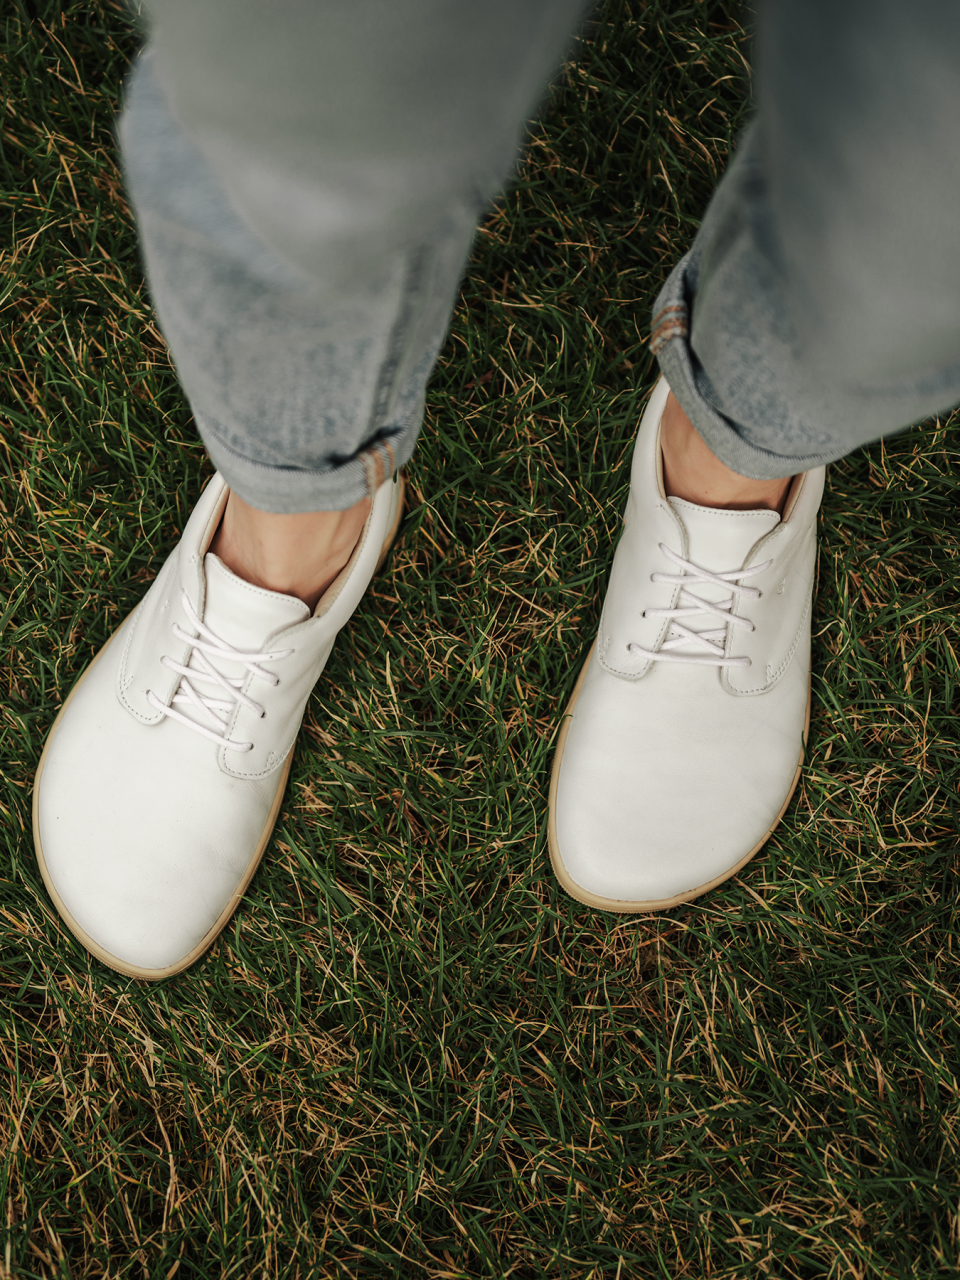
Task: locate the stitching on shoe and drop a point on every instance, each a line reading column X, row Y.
column 788, row 567
column 258, row 591
column 645, row 665
column 125, row 677
column 274, row 758
column 730, row 512
column 775, row 678
column 124, row 681
column 274, row 761
column 644, row 668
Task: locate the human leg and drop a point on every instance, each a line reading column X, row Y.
column 299, row 554
column 307, row 179
column 304, row 301
column 692, row 471
column 818, row 308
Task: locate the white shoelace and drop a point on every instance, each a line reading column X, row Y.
column 688, row 604
column 216, row 711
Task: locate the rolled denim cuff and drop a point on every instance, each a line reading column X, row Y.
column 286, row 490
column 670, row 343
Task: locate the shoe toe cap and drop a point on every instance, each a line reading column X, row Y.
column 143, row 841
column 658, row 797
column 141, row 895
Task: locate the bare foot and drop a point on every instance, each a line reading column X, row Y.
column 692, row 472
column 298, row 555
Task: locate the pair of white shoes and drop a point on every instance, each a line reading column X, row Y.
column 163, row 774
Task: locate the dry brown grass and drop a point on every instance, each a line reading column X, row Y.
column 410, row 1053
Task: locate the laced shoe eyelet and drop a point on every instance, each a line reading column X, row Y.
column 202, row 673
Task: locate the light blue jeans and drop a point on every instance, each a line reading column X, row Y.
column 307, row 176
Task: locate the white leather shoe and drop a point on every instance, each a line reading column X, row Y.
column 163, row 774
column 683, row 741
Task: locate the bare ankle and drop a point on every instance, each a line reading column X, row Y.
column 693, row 472
column 298, row 555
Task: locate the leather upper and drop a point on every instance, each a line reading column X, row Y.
column 148, row 829
column 671, row 773
column 149, row 635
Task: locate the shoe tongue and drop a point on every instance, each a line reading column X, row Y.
column 719, row 540
column 243, row 615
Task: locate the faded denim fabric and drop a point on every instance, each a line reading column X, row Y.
column 819, row 307
column 307, row 176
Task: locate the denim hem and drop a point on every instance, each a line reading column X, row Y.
column 287, row 490
column 670, row 343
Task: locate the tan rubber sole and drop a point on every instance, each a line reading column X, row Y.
column 623, row 906
column 155, row 975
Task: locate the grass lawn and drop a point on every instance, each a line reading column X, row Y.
column 410, row 1054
